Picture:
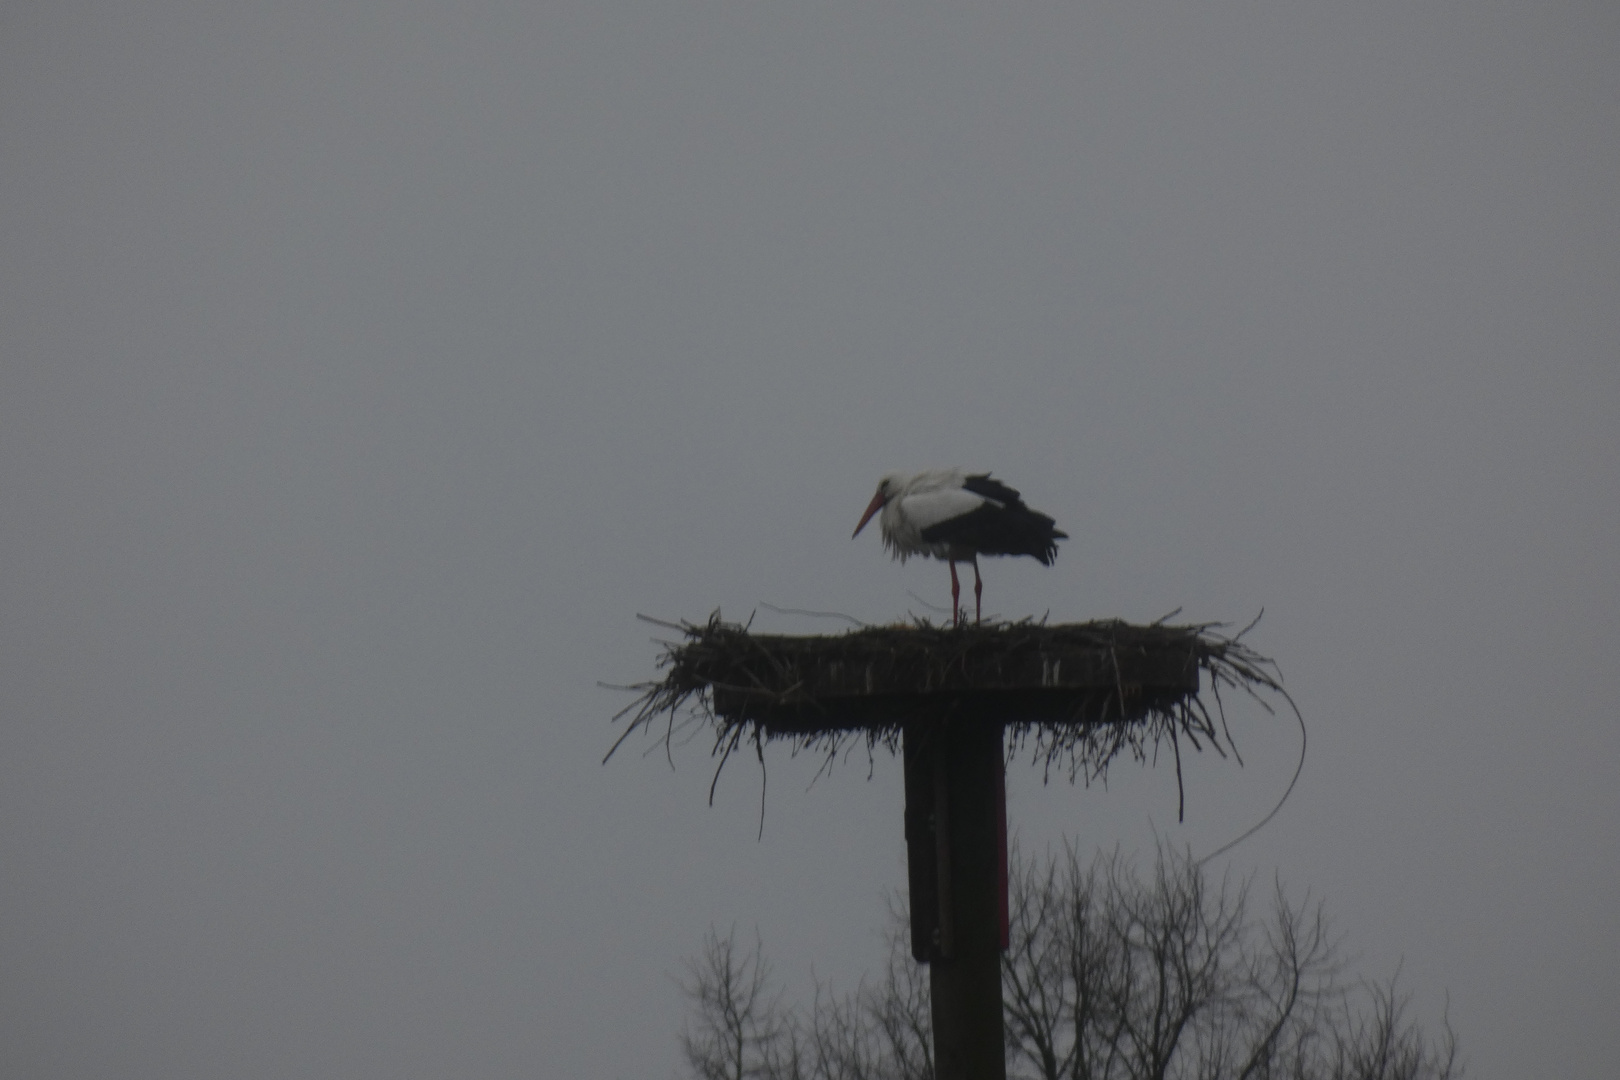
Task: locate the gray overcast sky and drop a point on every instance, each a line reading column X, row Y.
column 365, row 368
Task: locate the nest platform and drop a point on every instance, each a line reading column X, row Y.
column 1076, row 694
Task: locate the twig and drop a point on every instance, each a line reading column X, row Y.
column 813, row 614
column 938, row 609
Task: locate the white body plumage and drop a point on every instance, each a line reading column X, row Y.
column 917, row 503
column 957, row 516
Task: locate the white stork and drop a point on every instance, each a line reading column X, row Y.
column 958, row 516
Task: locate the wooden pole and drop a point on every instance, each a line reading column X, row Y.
column 954, row 770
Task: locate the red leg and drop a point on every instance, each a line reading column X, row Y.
column 956, row 592
column 978, row 590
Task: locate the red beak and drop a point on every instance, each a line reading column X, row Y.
column 871, row 508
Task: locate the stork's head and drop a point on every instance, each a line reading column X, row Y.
column 887, row 489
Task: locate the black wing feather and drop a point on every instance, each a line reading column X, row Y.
column 1008, row 529
column 992, row 489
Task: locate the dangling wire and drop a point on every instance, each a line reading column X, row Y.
column 1224, row 848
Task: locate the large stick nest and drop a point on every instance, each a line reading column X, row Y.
column 1074, row 696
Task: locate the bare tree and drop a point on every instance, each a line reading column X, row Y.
column 878, row 1032
column 1112, row 978
column 1108, row 977
column 740, row 1031
column 1376, row 1042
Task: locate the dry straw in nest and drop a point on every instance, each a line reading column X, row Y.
column 757, row 688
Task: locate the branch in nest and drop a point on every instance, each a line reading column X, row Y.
column 806, row 691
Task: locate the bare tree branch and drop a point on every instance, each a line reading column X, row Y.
column 1108, row 976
